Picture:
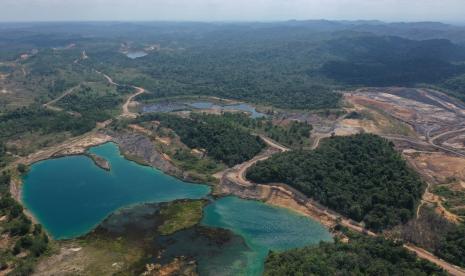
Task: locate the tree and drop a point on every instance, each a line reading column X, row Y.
column 22, row 168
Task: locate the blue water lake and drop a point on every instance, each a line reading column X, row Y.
column 71, row 195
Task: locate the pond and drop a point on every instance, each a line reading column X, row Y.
column 136, row 54
column 170, row 106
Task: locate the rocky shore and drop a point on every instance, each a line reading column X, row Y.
column 99, row 161
column 139, row 148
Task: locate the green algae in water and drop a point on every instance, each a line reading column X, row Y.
column 263, row 228
column 216, row 251
column 71, row 195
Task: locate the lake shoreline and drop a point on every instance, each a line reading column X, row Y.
column 150, row 189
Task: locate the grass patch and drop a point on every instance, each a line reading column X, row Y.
column 180, row 215
column 453, row 200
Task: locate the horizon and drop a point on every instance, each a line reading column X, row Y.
column 342, row 21
column 447, row 11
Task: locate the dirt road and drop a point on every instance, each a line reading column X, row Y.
column 432, row 139
column 238, row 174
column 451, row 269
column 50, row 104
column 126, row 112
column 274, row 144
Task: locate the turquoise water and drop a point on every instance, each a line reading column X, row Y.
column 263, row 228
column 71, row 195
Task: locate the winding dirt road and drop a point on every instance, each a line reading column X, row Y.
column 239, row 173
column 432, row 139
column 126, row 112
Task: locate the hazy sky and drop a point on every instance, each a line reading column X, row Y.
column 242, row 10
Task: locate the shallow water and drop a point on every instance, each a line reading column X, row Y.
column 71, row 195
column 263, row 228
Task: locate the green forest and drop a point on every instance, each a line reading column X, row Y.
column 452, row 246
column 361, row 255
column 360, row 176
column 30, row 238
column 298, row 65
column 38, row 119
column 221, row 139
column 293, row 134
column 96, row 102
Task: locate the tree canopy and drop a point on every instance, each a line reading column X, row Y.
column 360, row 176
column 361, row 255
column 221, row 139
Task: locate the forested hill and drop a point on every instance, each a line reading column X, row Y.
column 391, row 61
column 295, row 64
column 360, row 176
column 360, row 256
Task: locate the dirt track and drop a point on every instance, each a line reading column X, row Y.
column 67, row 92
column 126, row 112
column 451, row 269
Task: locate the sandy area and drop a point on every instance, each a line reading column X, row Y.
column 440, row 166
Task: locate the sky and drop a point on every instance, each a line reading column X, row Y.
column 451, row 11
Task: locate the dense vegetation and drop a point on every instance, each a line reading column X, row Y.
column 283, row 65
column 455, row 87
column 435, row 233
column 452, row 246
column 385, row 61
column 38, row 119
column 25, row 236
column 287, row 64
column 311, row 97
column 362, row 255
column 294, row 134
column 3, row 156
column 360, row 176
column 218, row 136
column 93, row 102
